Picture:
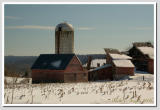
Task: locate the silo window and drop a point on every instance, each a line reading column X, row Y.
column 59, row 29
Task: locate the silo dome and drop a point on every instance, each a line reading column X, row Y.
column 64, row 27
column 64, row 39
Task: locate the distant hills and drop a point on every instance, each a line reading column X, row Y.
column 22, row 64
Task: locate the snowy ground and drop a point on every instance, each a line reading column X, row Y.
column 134, row 91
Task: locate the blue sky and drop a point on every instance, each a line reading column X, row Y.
column 29, row 29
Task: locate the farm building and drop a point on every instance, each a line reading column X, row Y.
column 143, row 56
column 64, row 66
column 101, row 73
column 58, row 68
column 121, row 64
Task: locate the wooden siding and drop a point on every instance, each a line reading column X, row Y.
column 101, row 74
column 120, row 72
column 151, row 66
column 75, row 72
column 39, row 75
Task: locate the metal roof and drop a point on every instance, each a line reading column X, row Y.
column 52, row 61
column 101, row 67
column 64, row 27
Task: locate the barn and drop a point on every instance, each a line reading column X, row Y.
column 121, row 63
column 122, row 68
column 58, row 68
column 101, row 73
column 143, row 56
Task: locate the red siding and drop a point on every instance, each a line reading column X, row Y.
column 151, row 66
column 40, row 75
column 101, row 74
column 75, row 72
column 125, row 71
column 74, row 66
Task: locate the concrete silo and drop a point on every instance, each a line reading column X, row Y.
column 64, row 39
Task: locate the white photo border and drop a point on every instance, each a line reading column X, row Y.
column 85, row 105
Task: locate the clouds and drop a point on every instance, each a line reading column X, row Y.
column 41, row 27
column 31, row 27
column 85, row 28
column 12, row 18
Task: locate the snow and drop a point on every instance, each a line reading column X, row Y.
column 16, row 80
column 101, row 67
column 119, row 56
column 95, row 61
column 56, row 63
column 123, row 63
column 147, row 51
column 108, row 92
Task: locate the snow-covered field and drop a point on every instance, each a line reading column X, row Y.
column 135, row 91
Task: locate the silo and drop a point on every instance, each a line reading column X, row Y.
column 64, row 38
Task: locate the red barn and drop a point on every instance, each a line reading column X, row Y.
column 101, row 73
column 122, row 68
column 58, row 68
column 121, row 64
column 143, row 56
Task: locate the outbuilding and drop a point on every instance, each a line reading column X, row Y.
column 101, row 73
column 121, row 63
column 143, row 56
column 58, row 68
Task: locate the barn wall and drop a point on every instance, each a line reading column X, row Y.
column 74, row 65
column 124, row 70
column 105, row 73
column 121, row 72
column 101, row 74
column 75, row 72
column 47, row 76
column 151, row 66
column 75, row 77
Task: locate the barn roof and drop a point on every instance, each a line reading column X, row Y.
column 123, row 63
column 52, row 61
column 147, row 51
column 119, row 56
column 101, row 67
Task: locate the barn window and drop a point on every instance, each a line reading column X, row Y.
column 59, row 29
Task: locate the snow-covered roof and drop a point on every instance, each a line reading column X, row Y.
column 123, row 63
column 147, row 51
column 119, row 56
column 56, row 63
column 101, row 67
column 95, row 61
